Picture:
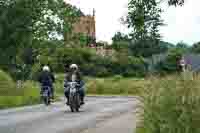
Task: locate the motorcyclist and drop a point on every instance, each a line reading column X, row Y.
column 46, row 78
column 73, row 69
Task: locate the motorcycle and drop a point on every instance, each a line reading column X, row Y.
column 74, row 96
column 46, row 95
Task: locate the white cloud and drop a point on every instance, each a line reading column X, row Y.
column 183, row 23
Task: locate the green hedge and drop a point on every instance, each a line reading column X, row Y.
column 90, row 63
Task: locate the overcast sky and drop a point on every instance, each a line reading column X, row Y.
column 183, row 23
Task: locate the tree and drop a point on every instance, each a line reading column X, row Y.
column 24, row 23
column 170, row 64
column 144, row 19
column 15, row 24
column 182, row 45
column 120, row 37
column 120, row 41
column 67, row 15
column 196, row 48
column 176, row 2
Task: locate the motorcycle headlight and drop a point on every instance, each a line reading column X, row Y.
column 73, row 90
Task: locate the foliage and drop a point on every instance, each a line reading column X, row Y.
column 120, row 37
column 167, row 44
column 25, row 25
column 147, row 48
column 176, row 2
column 90, row 63
column 196, row 48
column 11, row 96
column 144, row 18
column 170, row 64
column 115, row 85
column 29, row 95
column 15, row 25
column 174, row 54
column 35, row 71
column 81, row 40
column 120, row 41
column 181, row 45
column 6, row 84
column 170, row 105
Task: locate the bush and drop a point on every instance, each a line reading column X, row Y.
column 60, row 56
column 10, row 96
column 35, row 72
column 88, row 69
column 31, row 93
column 171, row 105
column 170, row 64
column 92, row 64
column 102, row 72
column 7, row 86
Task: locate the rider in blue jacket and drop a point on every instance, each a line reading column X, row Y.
column 46, row 78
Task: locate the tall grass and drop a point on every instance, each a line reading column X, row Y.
column 170, row 105
column 116, row 85
column 11, row 96
column 29, row 95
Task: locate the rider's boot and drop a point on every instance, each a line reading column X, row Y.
column 67, row 101
column 82, row 101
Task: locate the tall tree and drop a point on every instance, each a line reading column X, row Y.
column 176, row 2
column 196, row 48
column 27, row 22
column 182, row 45
column 15, row 24
column 144, row 19
column 120, row 41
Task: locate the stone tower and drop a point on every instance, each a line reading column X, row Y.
column 86, row 25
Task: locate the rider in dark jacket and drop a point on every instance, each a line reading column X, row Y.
column 73, row 69
column 46, row 78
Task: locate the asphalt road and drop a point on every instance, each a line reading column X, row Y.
column 99, row 114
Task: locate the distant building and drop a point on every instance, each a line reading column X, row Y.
column 102, row 48
column 86, row 25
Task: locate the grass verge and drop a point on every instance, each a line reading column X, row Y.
column 29, row 93
column 170, row 105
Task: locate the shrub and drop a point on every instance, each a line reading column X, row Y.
column 92, row 64
column 169, row 65
column 35, row 71
column 102, row 72
column 7, row 86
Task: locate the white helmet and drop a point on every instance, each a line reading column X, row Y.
column 74, row 66
column 46, row 68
